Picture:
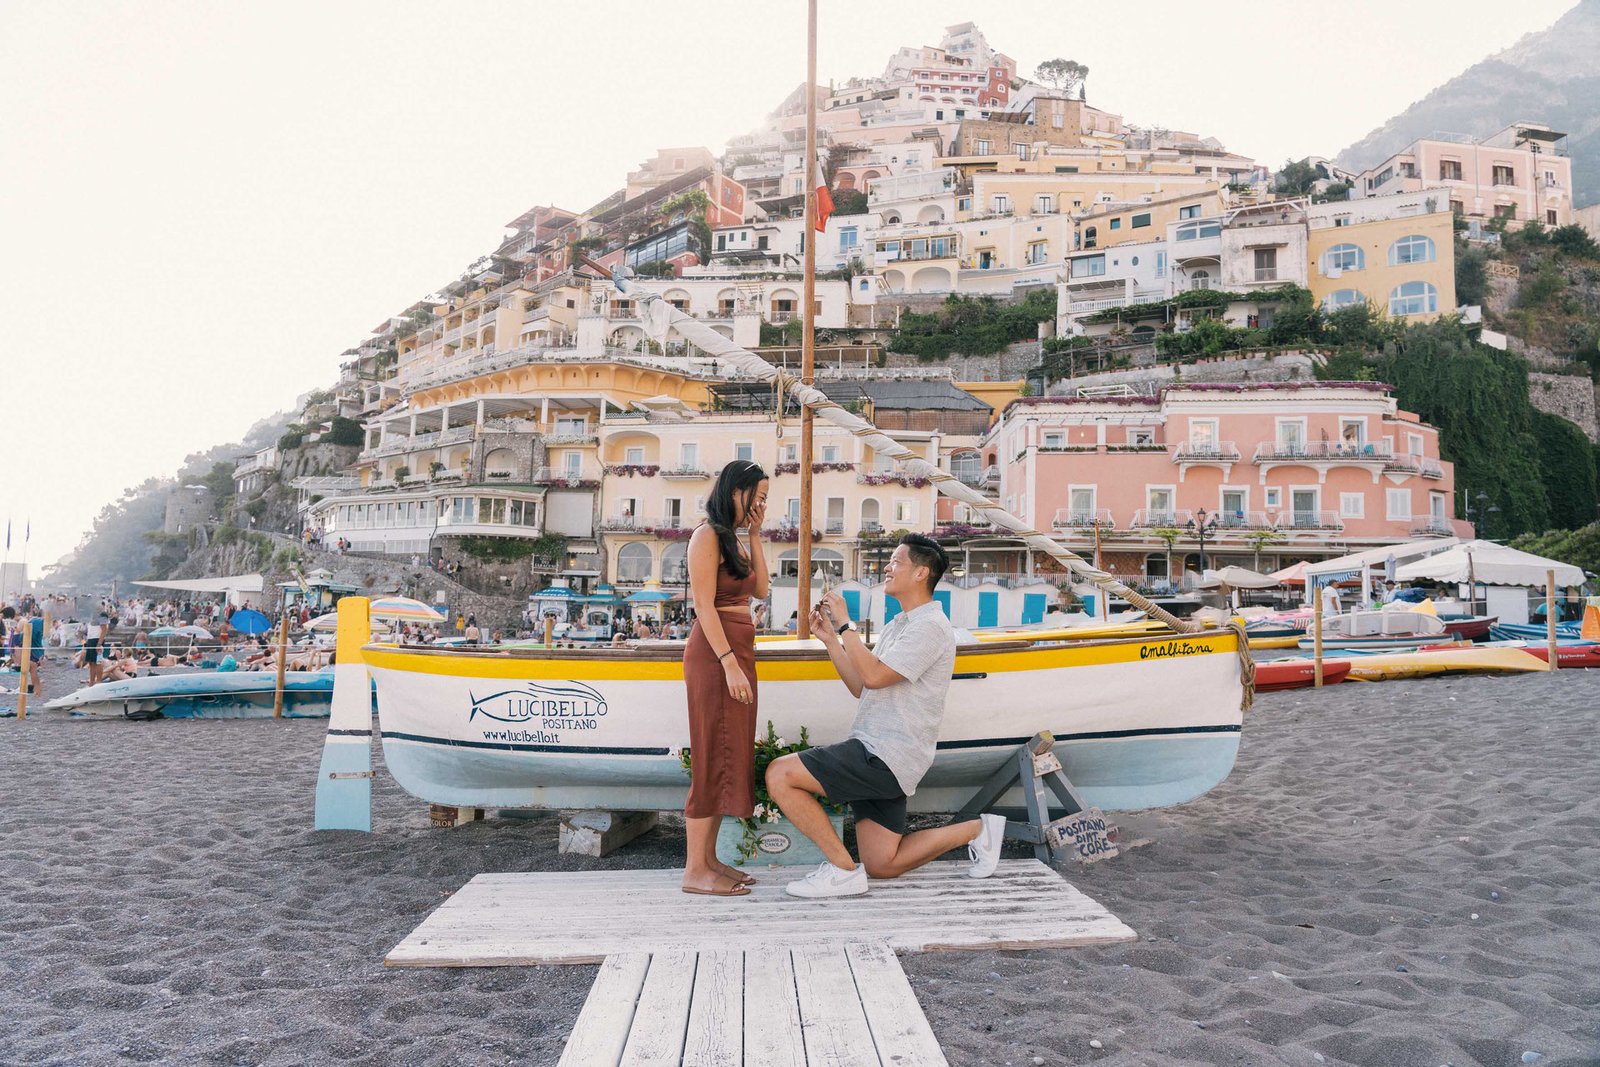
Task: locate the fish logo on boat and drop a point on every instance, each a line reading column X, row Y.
column 570, row 700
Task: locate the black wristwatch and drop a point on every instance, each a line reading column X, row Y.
column 846, row 625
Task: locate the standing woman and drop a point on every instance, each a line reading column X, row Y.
column 719, row 671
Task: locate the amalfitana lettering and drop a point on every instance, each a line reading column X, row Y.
column 1168, row 649
column 570, row 700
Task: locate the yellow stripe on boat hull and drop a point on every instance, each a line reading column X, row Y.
column 601, row 666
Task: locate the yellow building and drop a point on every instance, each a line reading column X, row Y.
column 1395, row 252
column 995, row 193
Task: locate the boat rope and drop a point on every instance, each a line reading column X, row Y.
column 659, row 317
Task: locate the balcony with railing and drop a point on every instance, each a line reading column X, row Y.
column 1206, row 452
column 568, row 476
column 1309, row 520
column 1082, row 519
column 1159, row 518
column 1241, row 520
column 1324, row 452
column 1432, row 526
column 834, row 526
column 685, row 472
column 990, row 477
column 1432, row 468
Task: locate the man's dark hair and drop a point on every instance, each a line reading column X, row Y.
column 926, row 552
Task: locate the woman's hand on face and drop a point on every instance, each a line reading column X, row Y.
column 756, row 516
column 738, row 685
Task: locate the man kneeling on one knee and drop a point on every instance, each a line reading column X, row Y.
column 902, row 687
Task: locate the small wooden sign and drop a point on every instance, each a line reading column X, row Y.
column 1046, row 763
column 1086, row 833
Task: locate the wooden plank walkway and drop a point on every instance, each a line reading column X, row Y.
column 500, row 920
column 844, row 1005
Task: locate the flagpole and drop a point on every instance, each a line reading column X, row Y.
column 808, row 325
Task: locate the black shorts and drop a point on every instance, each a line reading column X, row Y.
column 91, row 649
column 849, row 774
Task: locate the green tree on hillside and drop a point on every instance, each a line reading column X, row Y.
column 1065, row 75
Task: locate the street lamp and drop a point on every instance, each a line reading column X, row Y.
column 1483, row 510
column 1202, row 529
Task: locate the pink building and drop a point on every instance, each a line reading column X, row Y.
column 1522, row 173
column 1272, row 473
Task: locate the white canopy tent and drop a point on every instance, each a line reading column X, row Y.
column 1374, row 557
column 230, row 586
column 1487, row 563
column 1358, row 565
column 1508, row 575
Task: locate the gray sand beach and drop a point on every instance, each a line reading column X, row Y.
column 1395, row 874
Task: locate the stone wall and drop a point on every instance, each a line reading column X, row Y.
column 1260, row 367
column 1015, row 362
column 1569, row 396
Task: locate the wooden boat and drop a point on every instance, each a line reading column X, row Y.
column 602, row 728
column 1468, row 627
column 203, row 695
column 1285, row 641
column 1465, row 659
column 1298, row 674
column 1568, row 653
column 1584, row 655
column 1377, row 630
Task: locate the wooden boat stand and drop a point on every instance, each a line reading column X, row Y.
column 1082, row 831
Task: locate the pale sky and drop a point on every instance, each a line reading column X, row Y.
column 203, row 204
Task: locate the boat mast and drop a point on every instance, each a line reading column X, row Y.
column 808, row 325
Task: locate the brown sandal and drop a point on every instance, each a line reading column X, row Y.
column 738, row 889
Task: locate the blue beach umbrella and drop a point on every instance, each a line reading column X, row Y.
column 250, row 622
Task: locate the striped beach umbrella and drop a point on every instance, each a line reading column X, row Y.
column 403, row 609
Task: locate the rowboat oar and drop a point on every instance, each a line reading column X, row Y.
column 659, row 317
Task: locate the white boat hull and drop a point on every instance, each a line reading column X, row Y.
column 1140, row 722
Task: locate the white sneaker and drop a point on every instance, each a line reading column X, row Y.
column 985, row 848
column 830, row 881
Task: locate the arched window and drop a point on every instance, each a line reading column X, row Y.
column 1343, row 298
column 633, row 562
column 1413, row 298
column 1091, row 237
column 966, row 466
column 675, row 563
column 1144, row 334
column 871, row 522
column 1342, row 258
column 1200, row 279
column 822, row 559
column 1413, row 248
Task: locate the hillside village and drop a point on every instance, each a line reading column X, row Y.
column 1131, row 336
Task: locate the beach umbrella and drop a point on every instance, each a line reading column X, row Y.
column 168, row 632
column 1295, row 575
column 403, row 609
column 1242, row 578
column 330, row 623
column 199, row 633
column 250, row 622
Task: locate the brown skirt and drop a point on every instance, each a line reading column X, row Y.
column 722, row 731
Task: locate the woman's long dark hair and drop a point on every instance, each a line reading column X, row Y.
column 722, row 511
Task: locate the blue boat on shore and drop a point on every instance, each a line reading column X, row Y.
column 203, row 695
